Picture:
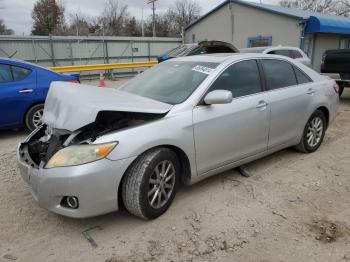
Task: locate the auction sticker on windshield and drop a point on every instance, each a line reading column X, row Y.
column 203, row 69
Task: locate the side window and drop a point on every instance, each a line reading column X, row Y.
column 241, row 79
column 286, row 53
column 301, row 76
column 296, row 54
column 20, row 73
column 278, row 74
column 5, row 73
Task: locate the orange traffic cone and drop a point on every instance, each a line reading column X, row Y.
column 102, row 82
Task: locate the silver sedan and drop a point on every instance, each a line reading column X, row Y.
column 178, row 123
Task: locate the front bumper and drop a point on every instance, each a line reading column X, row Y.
column 95, row 184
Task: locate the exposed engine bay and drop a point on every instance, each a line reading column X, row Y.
column 47, row 141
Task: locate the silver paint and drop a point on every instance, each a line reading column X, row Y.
column 214, row 138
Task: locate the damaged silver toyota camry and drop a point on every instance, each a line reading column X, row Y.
column 179, row 122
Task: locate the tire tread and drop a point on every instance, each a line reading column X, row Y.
column 132, row 182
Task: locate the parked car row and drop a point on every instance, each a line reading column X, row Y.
column 24, row 86
column 215, row 47
column 204, row 109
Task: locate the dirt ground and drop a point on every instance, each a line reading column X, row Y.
column 294, row 207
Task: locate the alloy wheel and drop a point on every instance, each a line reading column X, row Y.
column 314, row 132
column 161, row 184
column 37, row 118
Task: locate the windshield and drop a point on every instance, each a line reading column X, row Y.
column 170, row 82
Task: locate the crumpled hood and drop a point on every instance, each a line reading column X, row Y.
column 71, row 106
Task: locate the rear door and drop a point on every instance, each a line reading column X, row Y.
column 227, row 133
column 17, row 92
column 290, row 95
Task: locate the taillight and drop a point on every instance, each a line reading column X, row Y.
column 336, row 88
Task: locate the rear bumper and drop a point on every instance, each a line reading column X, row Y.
column 95, row 185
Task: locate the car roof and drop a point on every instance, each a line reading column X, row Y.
column 19, row 62
column 224, row 57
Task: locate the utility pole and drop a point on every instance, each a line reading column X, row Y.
column 142, row 25
column 153, row 2
column 154, row 18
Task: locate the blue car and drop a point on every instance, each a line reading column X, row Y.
column 23, row 90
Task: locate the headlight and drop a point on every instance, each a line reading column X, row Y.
column 80, row 154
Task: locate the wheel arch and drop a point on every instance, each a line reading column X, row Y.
column 325, row 111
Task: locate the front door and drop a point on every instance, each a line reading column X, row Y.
column 17, row 92
column 227, row 133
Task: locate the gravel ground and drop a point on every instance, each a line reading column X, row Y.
column 294, row 207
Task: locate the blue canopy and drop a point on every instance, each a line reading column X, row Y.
column 327, row 25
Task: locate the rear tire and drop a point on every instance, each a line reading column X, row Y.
column 150, row 183
column 33, row 118
column 313, row 134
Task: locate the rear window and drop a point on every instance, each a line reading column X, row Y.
column 20, row 73
column 286, row 53
column 296, row 54
column 278, row 74
column 301, row 76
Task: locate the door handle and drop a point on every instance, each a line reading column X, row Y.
column 23, row 91
column 311, row 91
column 262, row 105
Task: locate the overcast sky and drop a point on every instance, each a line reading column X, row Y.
column 17, row 13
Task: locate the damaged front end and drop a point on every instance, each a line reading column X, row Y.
column 45, row 142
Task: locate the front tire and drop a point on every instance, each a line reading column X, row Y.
column 150, row 183
column 314, row 133
column 33, row 118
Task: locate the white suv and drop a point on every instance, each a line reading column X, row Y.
column 291, row 52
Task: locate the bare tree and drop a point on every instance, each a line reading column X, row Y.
column 48, row 16
column 81, row 25
column 4, row 30
column 115, row 20
column 132, row 27
column 336, row 7
column 172, row 22
column 114, row 17
column 181, row 14
column 163, row 26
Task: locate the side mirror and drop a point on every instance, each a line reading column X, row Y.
column 218, row 97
